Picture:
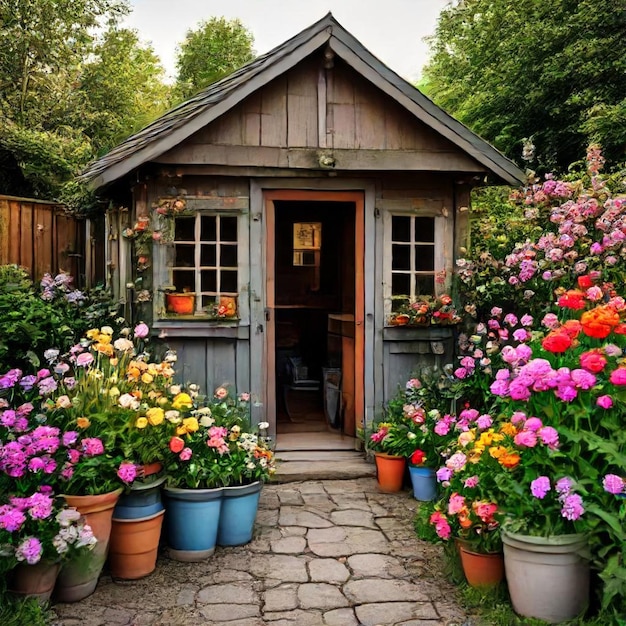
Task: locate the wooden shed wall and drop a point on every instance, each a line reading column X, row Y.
column 42, row 237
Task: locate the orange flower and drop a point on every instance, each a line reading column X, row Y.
column 509, row 460
column 83, row 422
column 176, row 444
column 508, row 429
column 572, row 328
column 600, row 321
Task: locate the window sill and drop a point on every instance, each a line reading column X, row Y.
column 425, row 333
column 190, row 326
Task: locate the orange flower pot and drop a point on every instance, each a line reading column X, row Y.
column 34, row 581
column 481, row 570
column 389, row 472
column 78, row 577
column 180, row 303
column 134, row 546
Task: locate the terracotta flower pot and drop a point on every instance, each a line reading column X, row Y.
column 481, row 570
column 180, row 303
column 79, row 576
column 34, row 581
column 134, row 546
column 389, row 472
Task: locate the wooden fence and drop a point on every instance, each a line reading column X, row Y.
column 42, row 237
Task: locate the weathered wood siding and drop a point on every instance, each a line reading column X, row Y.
column 41, row 237
column 311, row 109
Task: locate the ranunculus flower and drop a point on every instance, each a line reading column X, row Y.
column 185, row 454
column 182, row 400
column 155, row 415
column 593, row 361
column 526, row 439
column 141, row 422
column 92, row 446
column 613, row 483
column 418, row 457
column 127, row 472
column 556, row 342
column 605, row 402
column 618, row 376
column 540, row 487
column 176, row 445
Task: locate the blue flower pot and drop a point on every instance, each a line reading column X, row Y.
column 193, row 517
column 239, row 508
column 424, row 483
column 143, row 500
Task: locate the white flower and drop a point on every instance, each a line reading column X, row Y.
column 106, row 330
column 206, row 421
column 263, row 425
column 123, row 345
column 51, row 355
column 170, row 357
column 250, row 466
column 172, row 416
column 204, row 410
column 175, row 390
column 127, row 401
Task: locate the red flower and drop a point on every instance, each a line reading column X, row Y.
column 572, row 299
column 418, row 457
column 556, row 341
column 176, row 444
column 593, row 361
column 584, row 282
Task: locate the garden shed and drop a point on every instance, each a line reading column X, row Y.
column 269, row 226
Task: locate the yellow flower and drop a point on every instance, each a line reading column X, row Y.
column 508, row 429
column 104, row 339
column 141, row 422
column 114, row 392
column 182, row 401
column 147, row 378
column 93, row 333
column 104, row 348
column 83, row 422
column 155, row 415
column 191, row 424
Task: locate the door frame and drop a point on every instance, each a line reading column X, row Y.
column 269, row 365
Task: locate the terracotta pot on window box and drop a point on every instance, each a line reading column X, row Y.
column 180, row 303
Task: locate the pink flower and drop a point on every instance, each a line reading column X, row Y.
column 470, row 482
column 526, row 438
column 456, row 462
column 519, row 417
column 611, row 482
column 540, row 487
column 127, row 472
column 185, row 454
column 141, row 330
column 618, row 376
column 443, row 474
column 30, row 550
column 572, row 507
column 484, row 421
column 605, row 402
column 455, row 504
column 92, row 446
column 413, row 383
column 84, row 360
column 461, row 372
column 533, row 423
column 549, row 436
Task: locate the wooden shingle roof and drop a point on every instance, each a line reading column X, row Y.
column 181, row 122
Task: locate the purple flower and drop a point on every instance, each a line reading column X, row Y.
column 526, row 320
column 613, row 484
column 533, row 423
column 526, row 439
column 443, row 474
column 549, row 436
column 11, row 519
column 69, row 438
column 127, row 472
column 572, row 507
column 28, row 382
column 540, row 487
column 7, row 418
column 40, row 506
column 30, row 550
column 47, row 386
column 564, row 486
column 92, row 446
column 9, row 379
column 484, row 421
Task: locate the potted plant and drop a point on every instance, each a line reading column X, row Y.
column 424, row 311
column 210, row 449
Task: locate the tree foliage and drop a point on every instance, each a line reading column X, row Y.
column 553, row 71
column 72, row 84
column 210, row 52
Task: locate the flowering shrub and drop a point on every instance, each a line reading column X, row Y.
column 215, row 445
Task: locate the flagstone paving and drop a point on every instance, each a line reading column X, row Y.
column 324, row 553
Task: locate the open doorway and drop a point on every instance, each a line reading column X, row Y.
column 314, row 297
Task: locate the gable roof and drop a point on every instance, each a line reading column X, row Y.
column 179, row 123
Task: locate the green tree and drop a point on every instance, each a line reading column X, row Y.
column 553, row 71
column 123, row 87
column 210, row 52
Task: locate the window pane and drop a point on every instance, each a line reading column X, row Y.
column 184, row 280
column 184, row 229
column 208, row 302
column 229, row 282
column 208, row 228
column 400, row 284
column 424, row 229
column 396, row 303
column 208, row 280
column 401, row 257
column 400, row 228
column 228, row 256
column 424, row 285
column 425, row 258
column 208, row 255
column 184, row 256
column 228, row 229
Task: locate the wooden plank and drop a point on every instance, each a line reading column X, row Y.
column 251, row 132
column 302, row 121
column 369, row 126
column 242, row 366
column 43, row 259
column 341, row 101
column 228, row 129
column 218, row 203
column 273, row 109
column 5, row 216
column 431, row 206
column 373, row 160
column 26, row 235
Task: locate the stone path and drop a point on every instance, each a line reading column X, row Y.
column 325, row 553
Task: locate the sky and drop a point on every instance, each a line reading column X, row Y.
column 392, row 30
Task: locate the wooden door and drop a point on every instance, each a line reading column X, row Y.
column 355, row 358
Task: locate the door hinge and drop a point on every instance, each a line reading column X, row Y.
column 267, row 315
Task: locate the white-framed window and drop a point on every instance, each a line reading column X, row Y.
column 414, row 256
